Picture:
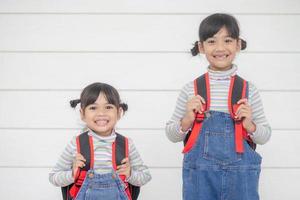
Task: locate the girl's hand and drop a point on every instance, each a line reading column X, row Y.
column 244, row 113
column 124, row 168
column 193, row 106
column 79, row 161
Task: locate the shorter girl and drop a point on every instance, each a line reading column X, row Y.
column 97, row 175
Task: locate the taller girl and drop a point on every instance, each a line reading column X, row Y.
column 220, row 118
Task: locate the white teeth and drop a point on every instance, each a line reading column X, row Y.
column 101, row 122
column 220, row 56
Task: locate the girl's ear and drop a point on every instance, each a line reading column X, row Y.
column 120, row 113
column 82, row 114
column 200, row 47
column 239, row 45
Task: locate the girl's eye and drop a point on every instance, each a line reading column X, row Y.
column 109, row 107
column 92, row 108
column 228, row 40
column 210, row 41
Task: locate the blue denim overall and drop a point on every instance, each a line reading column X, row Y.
column 212, row 170
column 102, row 187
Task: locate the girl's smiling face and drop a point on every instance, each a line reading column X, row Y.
column 220, row 50
column 101, row 116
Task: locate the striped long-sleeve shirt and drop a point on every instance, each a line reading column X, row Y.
column 219, row 87
column 61, row 174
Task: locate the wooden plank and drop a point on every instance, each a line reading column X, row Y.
column 157, row 6
column 171, row 71
column 147, row 109
column 45, row 146
column 32, row 183
column 137, row 32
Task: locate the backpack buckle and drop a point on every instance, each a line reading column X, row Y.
column 200, row 117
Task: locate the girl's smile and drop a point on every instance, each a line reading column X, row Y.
column 101, row 116
column 220, row 50
column 102, row 122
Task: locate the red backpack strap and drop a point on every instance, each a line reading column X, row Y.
column 238, row 90
column 202, row 88
column 120, row 151
column 84, row 143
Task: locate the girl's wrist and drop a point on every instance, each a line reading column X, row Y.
column 250, row 127
column 186, row 122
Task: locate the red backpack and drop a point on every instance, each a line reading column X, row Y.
column 239, row 88
column 85, row 148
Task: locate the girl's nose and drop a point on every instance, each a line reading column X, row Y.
column 100, row 112
column 220, row 46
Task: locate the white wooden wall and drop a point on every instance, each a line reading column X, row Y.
column 51, row 49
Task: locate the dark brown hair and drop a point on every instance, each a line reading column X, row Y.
column 212, row 24
column 91, row 92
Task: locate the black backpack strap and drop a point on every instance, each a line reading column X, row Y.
column 84, row 146
column 65, row 192
column 239, row 90
column 201, row 87
column 120, row 150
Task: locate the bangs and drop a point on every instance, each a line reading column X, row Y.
column 91, row 94
column 214, row 23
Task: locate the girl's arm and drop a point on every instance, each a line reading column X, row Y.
column 263, row 130
column 140, row 174
column 173, row 126
column 61, row 174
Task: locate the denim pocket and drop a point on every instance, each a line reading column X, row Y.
column 102, row 192
column 220, row 147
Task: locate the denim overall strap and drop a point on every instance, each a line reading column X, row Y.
column 102, row 186
column 238, row 90
column 213, row 170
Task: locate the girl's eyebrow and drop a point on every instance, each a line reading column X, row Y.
column 99, row 104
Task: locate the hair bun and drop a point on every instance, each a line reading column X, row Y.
column 195, row 49
column 124, row 107
column 243, row 44
column 73, row 103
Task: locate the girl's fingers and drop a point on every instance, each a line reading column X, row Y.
column 243, row 107
column 125, row 164
column 121, row 166
column 79, row 161
column 79, row 157
column 194, row 106
column 244, row 112
column 125, row 160
column 202, row 100
column 121, row 170
column 243, row 101
column 198, row 102
column 80, row 164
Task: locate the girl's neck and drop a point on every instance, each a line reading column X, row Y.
column 103, row 137
column 221, row 75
